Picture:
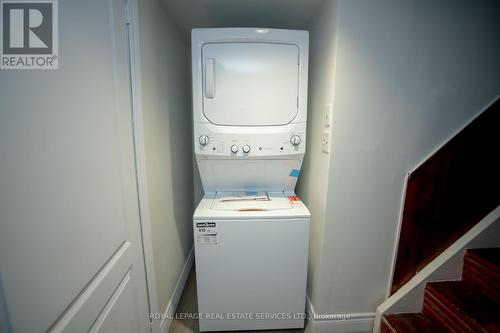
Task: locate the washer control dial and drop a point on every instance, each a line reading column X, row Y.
column 204, row 140
column 234, row 149
column 295, row 140
column 246, row 149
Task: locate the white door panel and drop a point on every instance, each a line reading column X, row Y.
column 69, row 227
column 116, row 316
column 87, row 306
column 250, row 84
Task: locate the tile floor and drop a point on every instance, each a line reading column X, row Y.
column 188, row 304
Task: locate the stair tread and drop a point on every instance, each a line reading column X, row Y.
column 491, row 255
column 468, row 302
column 412, row 323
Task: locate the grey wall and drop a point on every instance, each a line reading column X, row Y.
column 283, row 14
column 408, row 75
column 167, row 133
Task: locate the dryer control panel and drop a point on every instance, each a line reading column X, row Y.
column 216, row 143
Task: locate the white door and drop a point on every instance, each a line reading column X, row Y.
column 70, row 247
column 250, row 84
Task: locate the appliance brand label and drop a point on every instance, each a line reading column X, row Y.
column 206, row 233
column 205, row 225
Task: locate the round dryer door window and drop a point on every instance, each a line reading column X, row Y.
column 250, row 84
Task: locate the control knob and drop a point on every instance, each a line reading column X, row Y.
column 234, row 149
column 246, row 149
column 295, row 140
column 203, row 140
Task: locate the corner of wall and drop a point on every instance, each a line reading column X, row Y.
column 313, row 184
column 164, row 136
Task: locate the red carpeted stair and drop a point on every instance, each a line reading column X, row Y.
column 470, row 306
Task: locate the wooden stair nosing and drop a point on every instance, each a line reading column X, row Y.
column 387, row 327
column 467, row 304
column 446, row 316
column 487, row 284
column 438, row 317
column 410, row 323
column 474, row 257
column 491, row 254
column 482, row 270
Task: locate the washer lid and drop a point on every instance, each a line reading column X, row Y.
column 251, row 201
column 250, row 84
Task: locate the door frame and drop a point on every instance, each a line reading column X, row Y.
column 132, row 12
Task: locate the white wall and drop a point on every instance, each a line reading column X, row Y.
column 313, row 182
column 408, row 75
column 165, row 73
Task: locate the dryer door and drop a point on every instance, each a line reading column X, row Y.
column 250, row 84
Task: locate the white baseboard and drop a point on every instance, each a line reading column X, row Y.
column 352, row 322
column 176, row 295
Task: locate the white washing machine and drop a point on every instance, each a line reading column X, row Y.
column 250, row 230
column 251, row 261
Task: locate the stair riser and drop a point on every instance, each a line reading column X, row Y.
column 409, row 323
column 484, row 265
column 482, row 272
column 438, row 317
column 488, row 286
column 446, row 314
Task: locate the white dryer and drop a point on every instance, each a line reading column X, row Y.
column 250, row 230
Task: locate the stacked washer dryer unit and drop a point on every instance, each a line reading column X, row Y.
column 250, row 230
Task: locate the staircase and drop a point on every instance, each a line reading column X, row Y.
column 471, row 305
